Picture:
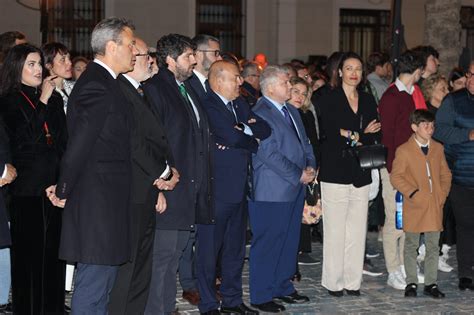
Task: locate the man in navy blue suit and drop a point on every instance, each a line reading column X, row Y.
column 283, row 164
column 236, row 133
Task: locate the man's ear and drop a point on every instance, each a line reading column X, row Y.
column 414, row 127
column 111, row 47
column 170, row 61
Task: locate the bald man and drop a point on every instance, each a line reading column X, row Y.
column 236, row 133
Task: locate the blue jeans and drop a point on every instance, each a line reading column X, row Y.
column 5, row 275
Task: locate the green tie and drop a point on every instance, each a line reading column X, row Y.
column 182, row 89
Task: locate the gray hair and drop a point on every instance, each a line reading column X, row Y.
column 249, row 68
column 270, row 75
column 202, row 40
column 108, row 29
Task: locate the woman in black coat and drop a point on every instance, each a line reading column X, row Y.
column 35, row 123
column 348, row 120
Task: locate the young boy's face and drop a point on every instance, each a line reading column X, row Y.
column 423, row 131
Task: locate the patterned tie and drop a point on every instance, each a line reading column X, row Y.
column 289, row 121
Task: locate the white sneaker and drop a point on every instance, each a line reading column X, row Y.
column 421, row 253
column 445, row 250
column 443, row 265
column 396, row 280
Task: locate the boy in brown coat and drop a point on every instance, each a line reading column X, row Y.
column 421, row 174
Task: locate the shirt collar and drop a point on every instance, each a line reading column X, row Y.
column 226, row 101
column 112, row 73
column 420, row 144
column 402, row 87
column 201, row 78
column 275, row 103
column 134, row 82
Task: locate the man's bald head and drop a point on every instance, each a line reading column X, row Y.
column 224, row 79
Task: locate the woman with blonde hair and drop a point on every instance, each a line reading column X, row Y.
column 434, row 89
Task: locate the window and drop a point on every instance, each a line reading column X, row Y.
column 71, row 22
column 223, row 19
column 364, row 31
column 467, row 35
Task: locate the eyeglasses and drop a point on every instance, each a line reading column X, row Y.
column 469, row 75
column 147, row 54
column 254, row 75
column 217, row 53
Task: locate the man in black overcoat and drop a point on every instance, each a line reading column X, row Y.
column 95, row 174
column 187, row 130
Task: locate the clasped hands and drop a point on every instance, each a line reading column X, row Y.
column 308, row 175
column 162, row 184
column 51, row 194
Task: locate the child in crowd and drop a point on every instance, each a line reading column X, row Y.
column 421, row 174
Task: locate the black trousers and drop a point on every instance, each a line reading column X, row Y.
column 37, row 274
column 132, row 285
column 305, row 238
column 462, row 199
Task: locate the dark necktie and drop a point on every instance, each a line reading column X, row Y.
column 140, row 91
column 231, row 110
column 289, row 121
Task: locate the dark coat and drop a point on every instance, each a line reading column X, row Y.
column 5, row 239
column 339, row 164
column 36, row 162
column 149, row 145
column 250, row 94
column 196, row 85
column 190, row 202
column 95, row 172
column 230, row 166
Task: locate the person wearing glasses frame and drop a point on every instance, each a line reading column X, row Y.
column 207, row 52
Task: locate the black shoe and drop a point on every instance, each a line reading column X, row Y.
column 432, row 290
column 269, row 307
column 296, row 277
column 466, row 283
column 370, row 270
column 353, row 292
column 410, row 290
column 293, row 298
column 336, row 293
column 306, row 260
column 211, row 312
column 240, row 309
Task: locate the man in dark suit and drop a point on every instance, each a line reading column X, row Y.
column 236, row 132
column 282, row 166
column 150, row 156
column 95, row 170
column 187, row 129
column 207, row 51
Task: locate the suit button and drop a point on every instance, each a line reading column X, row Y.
column 192, row 180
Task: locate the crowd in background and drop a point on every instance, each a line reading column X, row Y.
column 147, row 162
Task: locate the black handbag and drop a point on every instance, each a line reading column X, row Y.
column 371, row 156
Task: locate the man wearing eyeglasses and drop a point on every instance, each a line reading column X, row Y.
column 455, row 128
column 207, row 52
column 150, row 174
column 250, row 89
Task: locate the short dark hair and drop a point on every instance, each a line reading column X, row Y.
column 203, row 40
column 376, row 59
column 8, row 40
column 425, row 52
column 50, row 50
column 410, row 61
column 10, row 74
column 172, row 45
column 456, row 74
column 421, row 115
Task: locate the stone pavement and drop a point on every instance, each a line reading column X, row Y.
column 376, row 297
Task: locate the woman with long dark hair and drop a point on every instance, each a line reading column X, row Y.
column 37, row 133
column 348, row 120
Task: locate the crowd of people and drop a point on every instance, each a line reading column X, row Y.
column 145, row 163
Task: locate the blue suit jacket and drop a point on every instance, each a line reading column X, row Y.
column 229, row 166
column 282, row 157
